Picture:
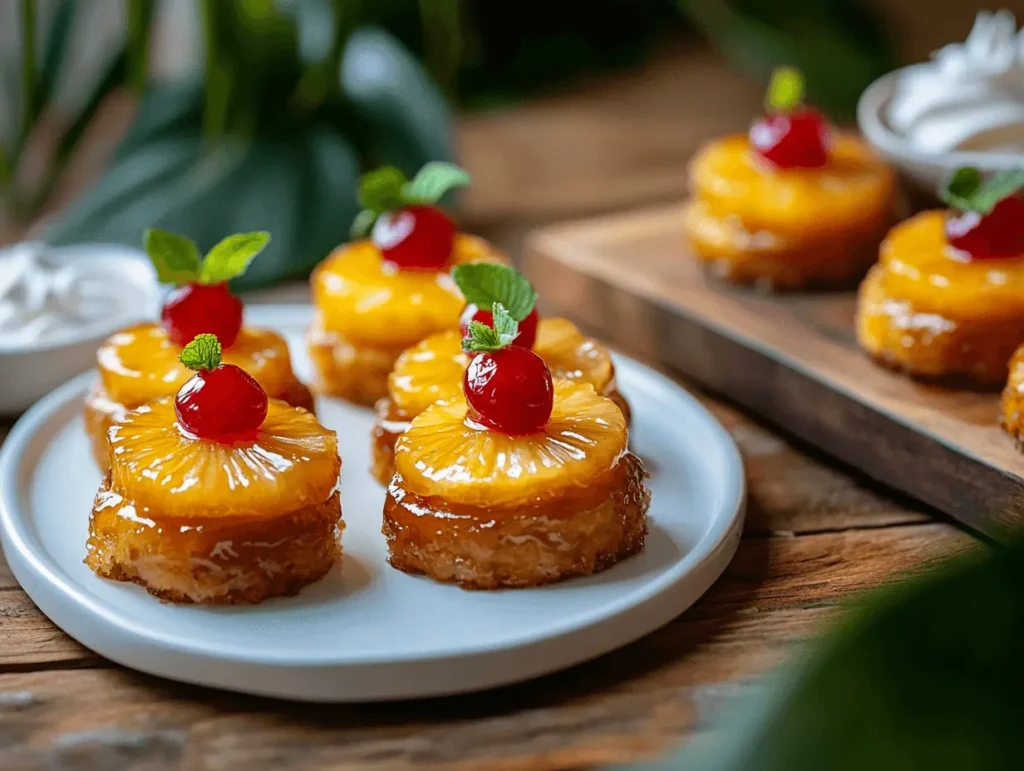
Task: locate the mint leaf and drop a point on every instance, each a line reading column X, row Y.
column 433, row 181
column 786, row 90
column 232, row 256
column 380, row 190
column 175, row 257
column 202, row 353
column 482, row 338
column 967, row 189
column 486, row 283
column 363, row 223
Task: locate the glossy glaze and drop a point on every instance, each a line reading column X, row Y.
column 432, row 370
column 370, row 302
column 165, row 471
column 921, row 268
column 444, row 454
column 140, row 363
column 1012, row 401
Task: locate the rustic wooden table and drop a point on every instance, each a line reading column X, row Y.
column 815, row 534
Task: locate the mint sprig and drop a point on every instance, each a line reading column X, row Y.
column 204, row 352
column 968, row 190
column 785, row 91
column 482, row 338
column 485, row 283
column 387, row 188
column 177, row 259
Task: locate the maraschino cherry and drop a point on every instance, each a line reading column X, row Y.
column 790, row 136
column 202, row 302
column 221, row 402
column 402, row 216
column 986, row 219
column 485, row 283
column 508, row 387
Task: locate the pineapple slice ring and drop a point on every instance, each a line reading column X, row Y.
column 926, row 312
column 789, row 228
column 433, row 369
column 140, row 363
column 486, row 510
column 165, row 472
column 368, row 312
column 444, row 455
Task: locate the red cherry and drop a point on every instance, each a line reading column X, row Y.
column 527, row 327
column 796, row 140
column 194, row 309
column 996, row 235
column 510, row 390
column 415, row 237
column 225, row 404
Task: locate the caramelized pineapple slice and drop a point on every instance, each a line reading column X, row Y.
column 293, row 463
column 486, row 510
column 446, row 455
column 196, row 520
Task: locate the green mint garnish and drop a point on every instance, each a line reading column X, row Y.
column 202, row 353
column 387, row 189
column 786, row 90
column 485, row 283
column 482, row 338
column 177, row 259
column 967, row 189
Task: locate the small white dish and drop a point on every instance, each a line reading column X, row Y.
column 31, row 368
column 928, row 170
column 368, row 631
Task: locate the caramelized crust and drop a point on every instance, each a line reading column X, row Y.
column 489, row 548
column 356, row 373
column 1012, row 402
column 213, row 561
column 101, row 413
column 970, row 352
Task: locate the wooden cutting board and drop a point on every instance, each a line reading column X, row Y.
column 791, row 358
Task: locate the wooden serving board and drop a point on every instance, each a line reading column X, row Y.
column 791, row 358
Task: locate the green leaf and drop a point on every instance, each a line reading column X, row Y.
column 380, row 190
column 482, row 338
column 786, row 89
column 967, row 189
column 485, row 283
column 433, row 181
column 203, row 352
column 175, row 257
column 363, row 223
column 232, row 256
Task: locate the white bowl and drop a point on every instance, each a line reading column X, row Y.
column 928, row 170
column 30, row 370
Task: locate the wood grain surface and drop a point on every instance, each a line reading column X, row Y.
column 791, row 358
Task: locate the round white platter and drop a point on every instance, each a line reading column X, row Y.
column 368, row 631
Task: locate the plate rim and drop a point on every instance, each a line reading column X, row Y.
column 73, row 608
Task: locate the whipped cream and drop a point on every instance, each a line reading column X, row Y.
column 45, row 295
column 970, row 96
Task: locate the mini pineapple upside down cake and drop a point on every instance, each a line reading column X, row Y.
column 375, row 297
column 522, row 482
column 946, row 300
column 141, row 363
column 218, row 495
column 433, row 369
column 791, row 205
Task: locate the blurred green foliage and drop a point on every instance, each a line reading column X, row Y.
column 926, row 674
column 298, row 97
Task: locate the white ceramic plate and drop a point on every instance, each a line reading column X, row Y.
column 367, row 631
